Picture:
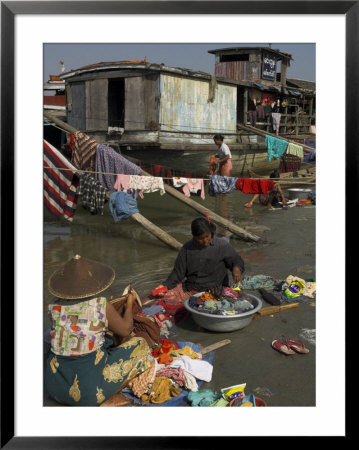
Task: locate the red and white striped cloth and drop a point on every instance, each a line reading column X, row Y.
column 60, row 186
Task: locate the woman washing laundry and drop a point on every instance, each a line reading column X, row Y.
column 273, row 197
column 224, row 156
column 202, row 264
column 83, row 367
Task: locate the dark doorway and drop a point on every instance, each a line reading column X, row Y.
column 116, row 102
column 240, row 105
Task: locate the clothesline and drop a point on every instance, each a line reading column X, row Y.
column 171, row 178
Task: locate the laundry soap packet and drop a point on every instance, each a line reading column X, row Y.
column 295, row 288
column 232, row 392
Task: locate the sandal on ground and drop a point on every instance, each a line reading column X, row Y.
column 282, row 347
column 298, row 346
column 248, row 205
column 117, row 400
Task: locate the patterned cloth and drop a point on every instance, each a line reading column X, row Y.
column 60, row 186
column 93, row 194
column 146, row 184
column 221, row 185
column 84, row 151
column 139, row 385
column 108, row 161
column 275, row 147
column 91, row 378
column 78, row 328
column 289, row 163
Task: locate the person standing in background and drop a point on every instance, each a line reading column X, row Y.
column 224, row 156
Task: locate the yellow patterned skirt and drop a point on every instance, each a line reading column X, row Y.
column 90, row 379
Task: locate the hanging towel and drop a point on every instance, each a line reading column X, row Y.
column 60, row 186
column 275, row 147
column 109, row 161
column 221, row 185
column 122, row 205
column 250, row 186
column 295, row 149
column 93, row 194
column 84, row 151
column 146, row 184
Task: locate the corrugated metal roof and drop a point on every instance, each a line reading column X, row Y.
column 267, row 49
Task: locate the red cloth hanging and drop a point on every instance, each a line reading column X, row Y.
column 252, row 186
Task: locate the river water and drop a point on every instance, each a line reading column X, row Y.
column 139, row 258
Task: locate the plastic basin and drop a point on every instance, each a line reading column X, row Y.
column 221, row 323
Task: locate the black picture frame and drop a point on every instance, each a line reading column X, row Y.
column 9, row 9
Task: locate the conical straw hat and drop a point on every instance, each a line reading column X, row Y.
column 79, row 278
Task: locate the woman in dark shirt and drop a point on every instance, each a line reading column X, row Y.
column 202, row 263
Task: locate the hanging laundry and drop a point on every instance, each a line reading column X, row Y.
column 84, row 151
column 122, row 183
column 289, row 163
column 221, row 185
column 212, row 165
column 295, row 149
column 93, row 194
column 275, row 147
column 179, row 181
column 146, row 184
column 251, row 186
column 60, row 186
column 108, row 161
column 193, row 187
column 166, row 173
column 276, row 121
column 122, row 205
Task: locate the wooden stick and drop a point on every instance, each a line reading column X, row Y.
column 214, row 346
column 274, row 309
column 156, row 231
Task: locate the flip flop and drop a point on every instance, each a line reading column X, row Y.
column 282, row 347
column 298, row 346
column 248, row 205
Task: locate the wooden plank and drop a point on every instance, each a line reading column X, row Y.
column 212, row 347
column 274, row 309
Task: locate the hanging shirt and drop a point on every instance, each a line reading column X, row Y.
column 146, row 184
column 193, row 186
column 224, row 151
column 78, row 326
column 93, row 194
column 122, row 205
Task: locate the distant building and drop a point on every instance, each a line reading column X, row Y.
column 144, row 105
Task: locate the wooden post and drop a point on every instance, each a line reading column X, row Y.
column 156, row 231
